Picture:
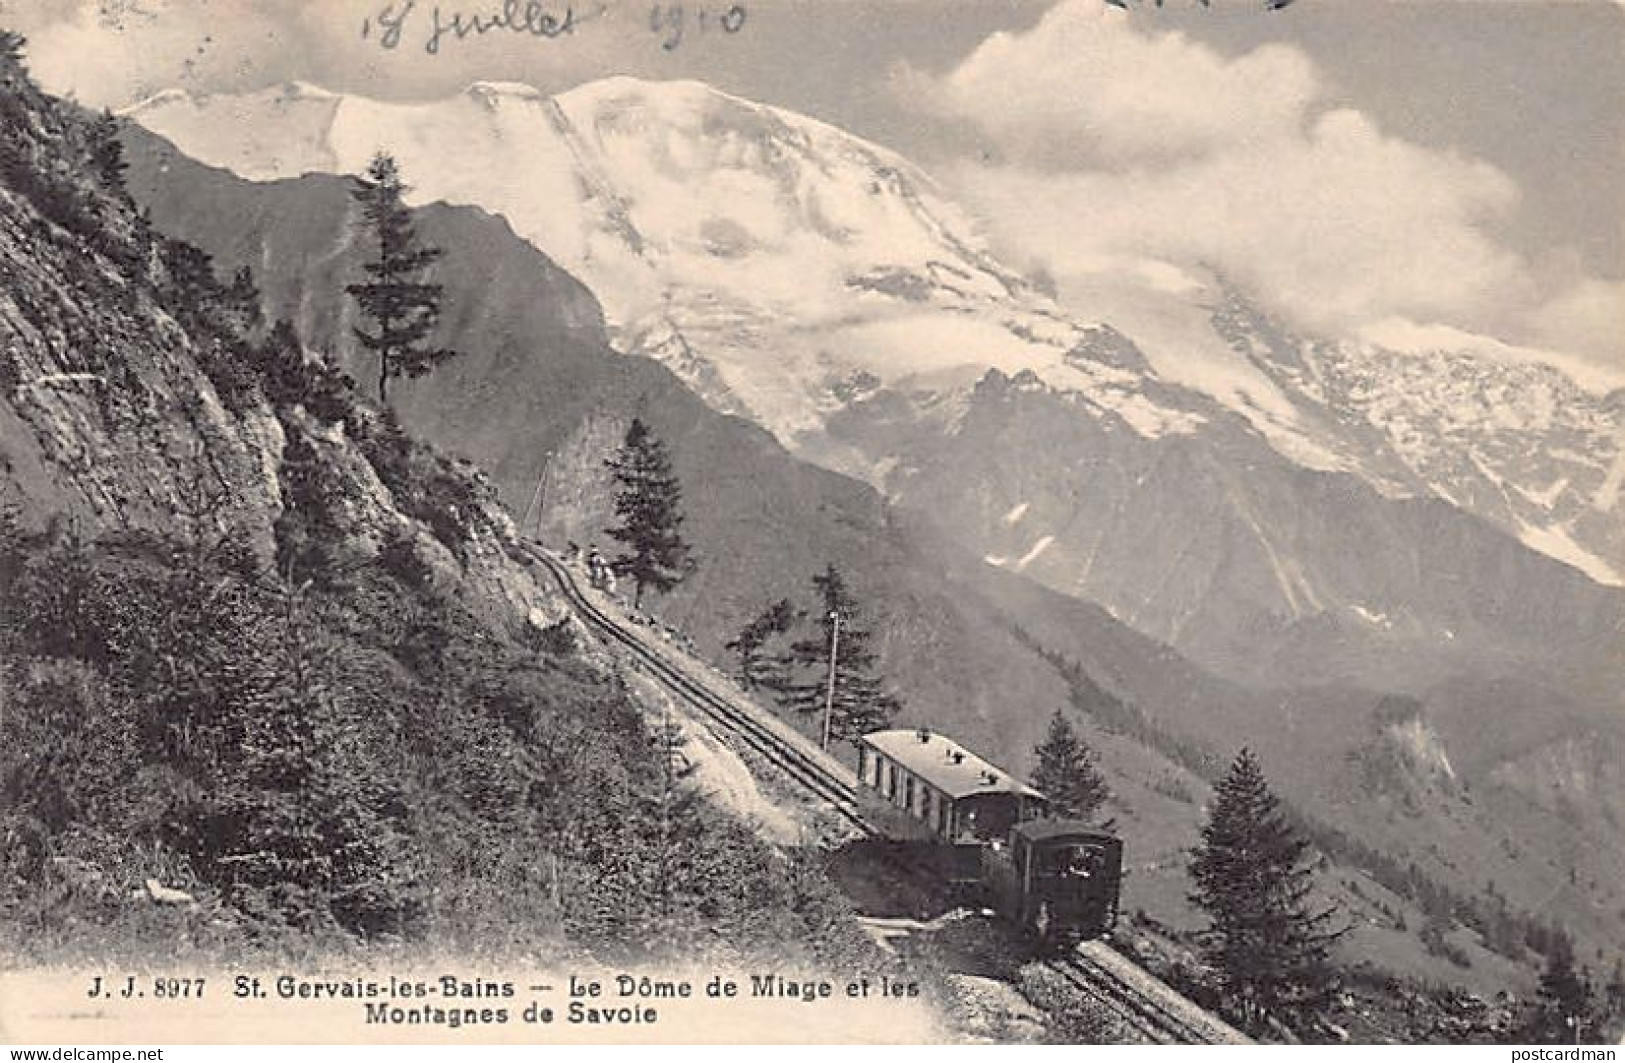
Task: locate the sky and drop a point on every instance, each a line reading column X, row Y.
column 1452, row 161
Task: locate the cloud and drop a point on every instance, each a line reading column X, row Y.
column 107, row 53
column 1084, row 84
column 1113, row 142
column 1339, row 224
column 1588, row 318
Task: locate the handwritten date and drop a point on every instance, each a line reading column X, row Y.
column 670, row 23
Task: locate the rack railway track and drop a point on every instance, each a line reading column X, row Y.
column 1146, row 1005
column 800, row 765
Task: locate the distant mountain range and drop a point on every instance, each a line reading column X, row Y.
column 1311, row 523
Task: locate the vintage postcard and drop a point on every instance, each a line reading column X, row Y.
column 547, row 522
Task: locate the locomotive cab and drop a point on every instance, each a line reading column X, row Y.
column 1058, row 879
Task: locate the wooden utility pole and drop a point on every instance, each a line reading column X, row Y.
column 539, row 499
column 829, row 693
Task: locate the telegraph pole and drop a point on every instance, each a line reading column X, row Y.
column 829, row 692
column 538, row 499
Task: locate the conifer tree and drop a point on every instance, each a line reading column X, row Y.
column 1253, row 881
column 649, row 505
column 860, row 703
column 107, row 152
column 1613, row 1001
column 12, row 47
column 1562, row 1013
column 403, row 309
column 757, row 667
column 1067, row 772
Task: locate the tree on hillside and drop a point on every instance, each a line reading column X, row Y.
column 403, row 309
column 1067, row 772
column 107, row 152
column 1562, row 1012
column 855, row 696
column 12, row 47
column 1252, row 879
column 758, row 667
column 649, row 505
column 1613, row 999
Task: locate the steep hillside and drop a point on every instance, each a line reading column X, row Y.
column 1251, row 564
column 269, row 660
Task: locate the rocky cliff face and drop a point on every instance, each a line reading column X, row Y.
column 125, row 400
column 105, row 413
column 1236, row 556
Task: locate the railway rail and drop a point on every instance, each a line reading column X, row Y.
column 1162, row 1015
column 1142, row 1020
column 801, row 765
column 1145, row 1004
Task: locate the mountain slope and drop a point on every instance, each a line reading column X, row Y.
column 830, row 292
column 539, row 399
column 273, row 679
column 537, row 389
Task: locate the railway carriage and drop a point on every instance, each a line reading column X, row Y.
column 961, row 798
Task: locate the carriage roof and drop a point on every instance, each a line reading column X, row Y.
column 1043, row 830
column 945, row 764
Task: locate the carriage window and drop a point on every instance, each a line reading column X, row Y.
column 1073, row 861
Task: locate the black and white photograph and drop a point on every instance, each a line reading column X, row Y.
column 985, row 522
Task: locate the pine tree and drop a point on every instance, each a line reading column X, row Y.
column 861, row 702
column 758, row 668
column 1253, row 882
column 1613, row 1001
column 404, row 311
column 649, row 505
column 1562, row 1013
column 12, row 48
column 107, row 152
column 1067, row 772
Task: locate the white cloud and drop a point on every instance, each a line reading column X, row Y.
column 1587, row 318
column 1118, row 141
column 1338, row 225
column 107, row 53
column 1084, row 82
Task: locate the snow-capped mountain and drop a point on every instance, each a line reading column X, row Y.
column 1499, row 431
column 1245, row 494
column 712, row 229
column 786, row 269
